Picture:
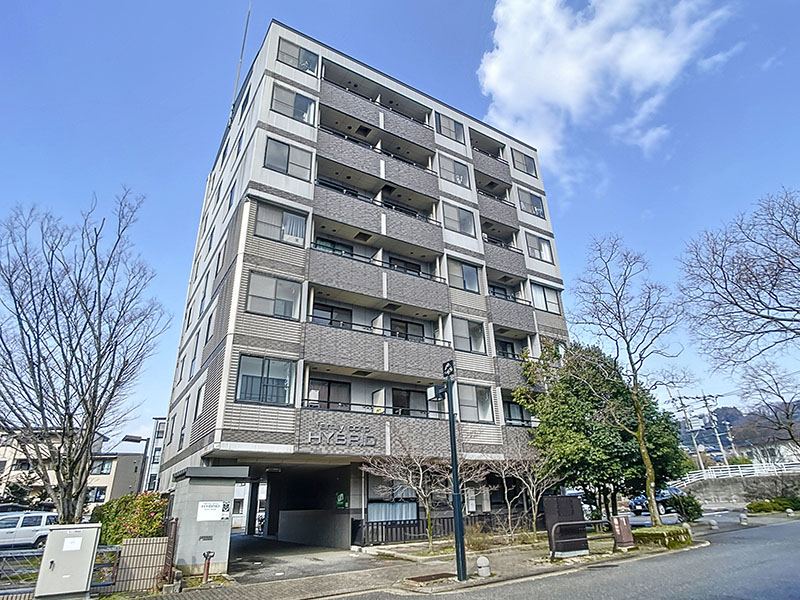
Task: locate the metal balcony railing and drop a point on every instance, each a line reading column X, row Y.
column 490, row 155
column 501, row 244
column 495, row 197
column 364, row 196
column 376, row 262
column 368, row 99
column 347, row 406
column 338, row 324
column 509, row 297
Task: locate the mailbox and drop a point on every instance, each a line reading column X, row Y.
column 68, row 561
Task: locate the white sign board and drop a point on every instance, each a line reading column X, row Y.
column 209, row 511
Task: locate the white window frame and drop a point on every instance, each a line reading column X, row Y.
column 546, row 298
column 540, row 248
column 275, row 282
column 454, row 222
column 447, row 171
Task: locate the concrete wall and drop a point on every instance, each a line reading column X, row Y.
column 315, row 527
column 741, row 490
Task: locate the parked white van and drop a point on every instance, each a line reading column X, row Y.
column 26, row 528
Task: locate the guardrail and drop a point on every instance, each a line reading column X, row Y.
column 754, row 470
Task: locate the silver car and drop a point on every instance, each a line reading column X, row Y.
column 26, row 528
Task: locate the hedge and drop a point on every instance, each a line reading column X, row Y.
column 131, row 516
column 668, row 536
column 775, row 505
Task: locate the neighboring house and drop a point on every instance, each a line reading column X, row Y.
column 771, row 452
column 150, row 481
column 355, row 235
column 113, row 475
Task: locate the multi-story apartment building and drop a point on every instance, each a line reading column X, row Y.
column 150, row 478
column 355, row 235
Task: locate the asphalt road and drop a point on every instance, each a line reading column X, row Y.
column 743, row 564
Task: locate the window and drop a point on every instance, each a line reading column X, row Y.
column 9, row 522
column 287, row 159
column 231, row 197
column 454, row 171
column 506, row 349
column 463, row 276
column 500, row 292
column 209, row 322
column 161, row 429
column 238, row 506
column 516, row 415
column 468, row 336
column 31, row 521
column 183, row 425
column 51, row 520
column 449, row 128
column 21, row 464
column 225, row 152
column 408, row 330
column 334, row 247
column 329, row 394
column 194, row 354
column 293, row 105
column 531, row 203
column 409, row 403
column 156, row 456
column 475, row 404
column 203, row 297
column 219, row 193
column 399, row 264
column 239, row 144
column 545, row 298
column 332, row 316
column 458, row 219
column 539, row 248
column 273, row 297
column 151, row 482
column 211, row 238
column 96, row 494
column 244, row 103
column 101, row 466
column 171, row 429
column 198, row 403
column 297, row 57
column 188, row 317
column 523, row 162
column 183, row 364
column 277, row 224
column 265, row 380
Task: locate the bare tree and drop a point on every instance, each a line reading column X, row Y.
column 410, row 468
column 76, row 326
column 506, row 469
column 620, row 304
column 775, row 398
column 742, row 282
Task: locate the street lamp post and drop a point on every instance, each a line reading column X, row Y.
column 448, row 370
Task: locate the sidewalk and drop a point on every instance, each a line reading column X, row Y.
column 505, row 567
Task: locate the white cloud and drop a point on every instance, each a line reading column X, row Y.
column 714, row 62
column 773, row 61
column 554, row 68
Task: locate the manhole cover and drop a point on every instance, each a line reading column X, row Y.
column 434, row 577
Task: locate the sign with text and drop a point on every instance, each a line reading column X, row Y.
column 210, row 510
column 353, row 436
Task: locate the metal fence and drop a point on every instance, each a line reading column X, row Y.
column 755, row 470
column 19, row 570
column 396, row 532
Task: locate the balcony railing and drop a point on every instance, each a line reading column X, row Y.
column 509, row 354
column 410, row 337
column 490, row 155
column 494, row 197
column 365, row 197
column 376, row 262
column 509, row 297
column 501, row 244
column 368, row 99
column 399, row 411
column 369, row 146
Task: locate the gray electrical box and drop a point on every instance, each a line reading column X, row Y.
column 68, row 561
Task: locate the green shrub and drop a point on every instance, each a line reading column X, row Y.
column 669, row 536
column 775, row 505
column 740, row 460
column 688, row 507
column 131, row 516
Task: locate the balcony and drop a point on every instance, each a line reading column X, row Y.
column 497, row 209
column 368, row 349
column 404, row 165
column 402, row 116
column 496, row 168
column 509, row 371
column 364, row 276
column 502, row 256
column 511, row 312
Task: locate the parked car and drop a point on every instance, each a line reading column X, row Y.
column 639, row 504
column 26, row 528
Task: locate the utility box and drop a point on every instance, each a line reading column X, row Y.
column 569, row 540
column 623, row 535
column 68, row 562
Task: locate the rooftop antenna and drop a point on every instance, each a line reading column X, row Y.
column 241, row 54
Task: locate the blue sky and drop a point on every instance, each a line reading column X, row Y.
column 653, row 119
